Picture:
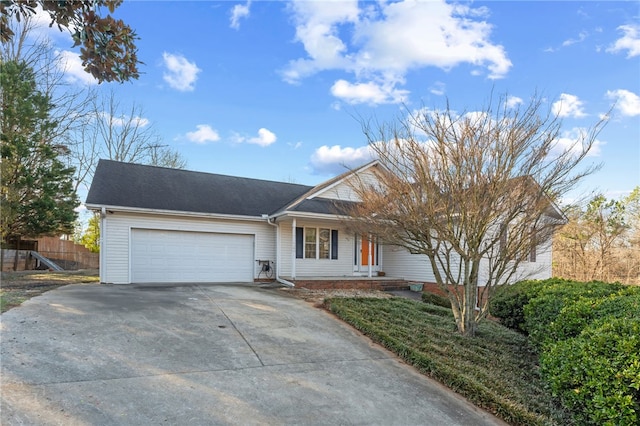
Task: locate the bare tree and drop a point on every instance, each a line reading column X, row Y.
column 474, row 192
column 600, row 241
column 119, row 133
column 164, row 156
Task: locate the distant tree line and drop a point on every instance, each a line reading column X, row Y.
column 601, row 241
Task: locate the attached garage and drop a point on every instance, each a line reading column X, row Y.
column 166, row 256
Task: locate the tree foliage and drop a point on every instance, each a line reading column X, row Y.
column 37, row 190
column 90, row 237
column 600, row 241
column 108, row 51
column 473, row 192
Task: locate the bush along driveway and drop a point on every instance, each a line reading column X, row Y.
column 588, row 338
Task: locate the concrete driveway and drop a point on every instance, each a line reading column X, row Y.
column 202, row 355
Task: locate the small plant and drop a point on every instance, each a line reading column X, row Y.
column 436, row 299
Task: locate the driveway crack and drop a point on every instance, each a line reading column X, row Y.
column 232, row 324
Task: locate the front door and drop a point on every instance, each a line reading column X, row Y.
column 366, row 252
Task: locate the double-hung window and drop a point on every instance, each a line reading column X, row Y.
column 316, row 243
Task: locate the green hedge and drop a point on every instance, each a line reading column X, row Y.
column 541, row 312
column 588, row 337
column 578, row 315
column 596, row 375
column 509, row 301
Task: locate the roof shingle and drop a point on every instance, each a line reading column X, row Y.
column 149, row 187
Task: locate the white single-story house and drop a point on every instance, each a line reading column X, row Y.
column 161, row 225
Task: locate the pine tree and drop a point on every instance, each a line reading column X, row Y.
column 37, row 193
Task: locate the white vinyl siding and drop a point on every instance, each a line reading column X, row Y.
column 340, row 267
column 344, row 190
column 399, row 263
column 118, row 237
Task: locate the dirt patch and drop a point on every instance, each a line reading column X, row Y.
column 317, row 297
column 16, row 287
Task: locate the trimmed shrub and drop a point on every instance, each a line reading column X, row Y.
column 576, row 316
column 542, row 311
column 596, row 375
column 508, row 301
column 436, row 299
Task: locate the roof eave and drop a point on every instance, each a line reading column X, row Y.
column 140, row 210
column 309, row 215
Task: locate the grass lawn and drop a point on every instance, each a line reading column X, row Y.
column 496, row 370
column 17, row 287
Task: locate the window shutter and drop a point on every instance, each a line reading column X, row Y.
column 334, row 244
column 299, row 243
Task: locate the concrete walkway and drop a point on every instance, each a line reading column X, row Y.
column 203, row 355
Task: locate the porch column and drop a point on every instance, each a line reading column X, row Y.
column 293, row 249
column 370, row 258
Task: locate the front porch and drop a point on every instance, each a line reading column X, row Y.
column 351, row 283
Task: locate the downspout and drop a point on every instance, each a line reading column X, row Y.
column 280, row 280
column 103, row 234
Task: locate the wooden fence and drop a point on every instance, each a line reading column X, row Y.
column 66, row 253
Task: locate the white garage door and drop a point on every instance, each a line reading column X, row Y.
column 177, row 256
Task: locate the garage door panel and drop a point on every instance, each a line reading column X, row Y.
column 178, row 256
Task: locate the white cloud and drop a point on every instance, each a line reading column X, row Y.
column 513, row 101
column 581, row 37
column 571, row 141
column 295, row 145
column 136, row 122
column 265, row 138
column 438, row 88
column 238, row 12
column 71, row 65
column 628, row 103
column 335, row 159
column 181, row 74
column 568, row 106
column 629, row 42
column 431, row 33
column 371, row 93
column 203, row 134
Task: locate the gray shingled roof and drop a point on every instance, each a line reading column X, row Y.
column 324, row 205
column 150, row 187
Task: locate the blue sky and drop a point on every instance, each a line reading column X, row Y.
column 271, row 89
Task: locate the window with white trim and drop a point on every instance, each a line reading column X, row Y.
column 316, row 243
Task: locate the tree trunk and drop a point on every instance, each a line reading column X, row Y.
column 15, row 258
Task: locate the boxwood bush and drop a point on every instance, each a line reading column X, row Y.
column 541, row 312
column 576, row 316
column 596, row 374
column 509, row 301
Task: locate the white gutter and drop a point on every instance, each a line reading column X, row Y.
column 171, row 212
column 280, row 280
